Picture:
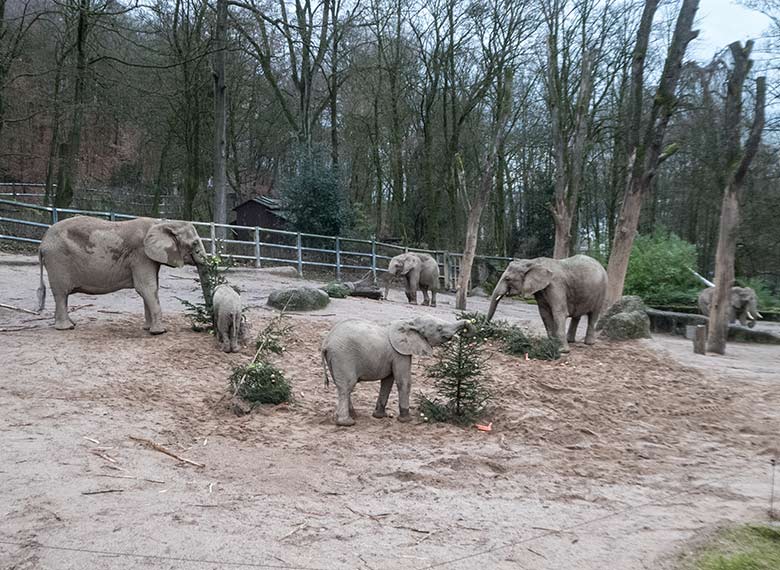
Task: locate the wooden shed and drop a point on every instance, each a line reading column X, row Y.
column 261, row 211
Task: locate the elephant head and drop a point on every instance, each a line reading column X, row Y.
column 401, row 265
column 174, row 244
column 744, row 306
column 524, row 277
column 419, row 336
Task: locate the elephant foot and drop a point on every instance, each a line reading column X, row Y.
column 66, row 326
column 412, row 302
column 225, row 348
column 345, row 422
column 571, row 340
column 425, row 303
column 147, row 326
column 404, row 416
column 433, row 304
column 157, row 330
column 565, row 349
column 379, row 414
column 590, row 341
column 751, row 324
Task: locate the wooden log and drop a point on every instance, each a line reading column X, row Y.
column 369, row 292
column 700, row 340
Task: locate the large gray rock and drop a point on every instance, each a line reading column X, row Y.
column 298, row 299
column 626, row 319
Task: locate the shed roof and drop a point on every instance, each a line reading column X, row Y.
column 268, row 202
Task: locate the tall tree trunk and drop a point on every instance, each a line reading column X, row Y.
column 503, row 111
column 69, row 152
column 220, row 120
column 738, row 163
column 646, row 155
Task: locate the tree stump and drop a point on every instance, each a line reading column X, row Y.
column 700, row 340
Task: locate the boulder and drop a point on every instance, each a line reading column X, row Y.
column 626, row 319
column 298, row 299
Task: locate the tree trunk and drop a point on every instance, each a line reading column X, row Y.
column 504, row 105
column 69, row 153
column 220, row 121
column 646, row 153
column 739, row 163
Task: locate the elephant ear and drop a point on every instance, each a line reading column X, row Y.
column 410, row 261
column 405, row 339
column 161, row 245
column 536, row 279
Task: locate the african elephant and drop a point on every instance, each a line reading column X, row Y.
column 89, row 255
column 226, row 304
column 743, row 305
column 570, row 287
column 356, row 350
column 420, row 270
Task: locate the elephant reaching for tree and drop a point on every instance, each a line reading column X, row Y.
column 420, row 270
column 570, row 287
column 743, row 305
column 356, row 350
column 93, row 256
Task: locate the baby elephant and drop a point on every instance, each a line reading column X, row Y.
column 227, row 317
column 356, row 350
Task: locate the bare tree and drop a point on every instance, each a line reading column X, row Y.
column 645, row 146
column 220, row 119
column 738, row 162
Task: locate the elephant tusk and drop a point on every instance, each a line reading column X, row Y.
column 759, row 315
column 750, row 316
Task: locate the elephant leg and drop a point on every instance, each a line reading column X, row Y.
column 411, row 288
column 426, row 300
column 547, row 319
column 147, row 317
column 590, row 334
column 223, row 331
column 559, row 329
column 151, row 300
column 384, row 394
column 62, row 321
column 402, row 372
column 575, row 322
column 344, row 407
column 433, row 297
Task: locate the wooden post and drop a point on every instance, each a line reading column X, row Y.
column 54, row 216
column 300, row 255
column 338, row 258
column 446, row 260
column 257, row 248
column 112, row 216
column 700, row 339
column 213, row 236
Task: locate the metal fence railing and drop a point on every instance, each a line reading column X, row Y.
column 26, row 223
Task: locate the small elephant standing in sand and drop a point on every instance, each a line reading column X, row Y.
column 226, row 305
column 356, row 350
column 420, row 271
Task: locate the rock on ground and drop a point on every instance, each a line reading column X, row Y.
column 298, row 299
column 626, row 319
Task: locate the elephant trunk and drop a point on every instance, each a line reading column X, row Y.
column 498, row 293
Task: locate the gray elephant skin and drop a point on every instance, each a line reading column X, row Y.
column 226, row 305
column 570, row 287
column 356, row 350
column 420, row 271
column 93, row 256
column 743, row 305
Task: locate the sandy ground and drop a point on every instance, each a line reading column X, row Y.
column 614, row 457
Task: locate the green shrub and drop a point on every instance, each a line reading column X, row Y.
column 210, row 275
column 751, row 547
column 336, row 290
column 271, row 338
column 495, row 329
column 260, row 383
column 658, row 270
column 517, row 342
column 460, row 392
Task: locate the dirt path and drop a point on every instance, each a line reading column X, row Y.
column 611, row 458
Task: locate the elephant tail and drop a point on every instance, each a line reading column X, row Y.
column 42, row 287
column 325, row 366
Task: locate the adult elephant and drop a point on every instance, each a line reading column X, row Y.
column 571, row 287
column 420, row 271
column 743, row 305
column 89, row 255
column 356, row 350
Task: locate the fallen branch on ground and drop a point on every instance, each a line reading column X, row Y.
column 103, row 491
column 4, row 306
column 161, row 449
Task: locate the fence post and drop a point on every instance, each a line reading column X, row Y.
column 213, row 236
column 112, row 216
column 338, row 258
column 373, row 258
column 54, row 216
column 446, row 256
column 257, row 247
column 300, row 255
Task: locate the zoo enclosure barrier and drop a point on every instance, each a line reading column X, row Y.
column 26, row 223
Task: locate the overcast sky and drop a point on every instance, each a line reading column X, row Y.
column 721, row 22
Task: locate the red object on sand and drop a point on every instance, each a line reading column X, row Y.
column 488, row 427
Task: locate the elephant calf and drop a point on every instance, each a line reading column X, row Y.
column 420, row 271
column 356, row 350
column 226, row 305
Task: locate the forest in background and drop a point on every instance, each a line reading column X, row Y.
column 391, row 106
